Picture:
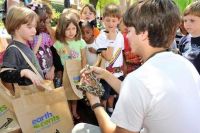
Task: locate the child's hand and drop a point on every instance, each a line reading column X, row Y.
column 36, row 80
column 92, row 50
column 50, row 74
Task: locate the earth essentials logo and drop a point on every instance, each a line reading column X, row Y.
column 3, row 109
column 45, row 121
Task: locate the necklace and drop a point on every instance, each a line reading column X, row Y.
column 165, row 50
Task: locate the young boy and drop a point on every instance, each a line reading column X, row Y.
column 191, row 22
column 112, row 40
column 22, row 28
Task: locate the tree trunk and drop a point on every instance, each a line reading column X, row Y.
column 94, row 3
column 123, row 5
column 67, row 3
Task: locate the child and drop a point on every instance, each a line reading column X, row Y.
column 70, row 46
column 91, row 47
column 88, row 13
column 112, row 39
column 191, row 23
column 42, row 41
column 22, row 28
column 131, row 60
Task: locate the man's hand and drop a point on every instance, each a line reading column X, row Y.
column 92, row 98
column 99, row 72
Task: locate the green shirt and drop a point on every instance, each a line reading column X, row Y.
column 69, row 50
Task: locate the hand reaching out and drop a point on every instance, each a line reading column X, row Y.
column 36, row 80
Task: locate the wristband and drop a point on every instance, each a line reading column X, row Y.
column 96, row 105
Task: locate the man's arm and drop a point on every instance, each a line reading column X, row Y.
column 114, row 82
column 105, row 123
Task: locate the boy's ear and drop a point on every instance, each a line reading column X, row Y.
column 144, row 35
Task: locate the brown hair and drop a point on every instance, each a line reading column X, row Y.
column 192, row 9
column 160, row 18
column 112, row 10
column 63, row 23
column 72, row 12
column 18, row 16
column 90, row 6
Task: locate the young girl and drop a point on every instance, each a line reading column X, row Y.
column 70, row 46
column 22, row 28
column 42, row 41
column 88, row 13
column 88, row 36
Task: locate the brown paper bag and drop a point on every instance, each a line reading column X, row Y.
column 71, row 76
column 44, row 112
column 8, row 122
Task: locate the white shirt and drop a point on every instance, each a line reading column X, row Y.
column 162, row 96
column 91, row 57
column 103, row 42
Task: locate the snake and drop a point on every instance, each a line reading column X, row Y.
column 95, row 87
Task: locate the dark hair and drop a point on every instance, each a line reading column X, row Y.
column 90, row 6
column 88, row 24
column 4, row 11
column 40, row 8
column 160, row 18
column 193, row 9
column 63, row 23
column 112, row 10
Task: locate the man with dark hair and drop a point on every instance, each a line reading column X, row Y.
column 155, row 98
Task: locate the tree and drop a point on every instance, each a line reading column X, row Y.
column 182, row 4
column 66, row 3
column 93, row 2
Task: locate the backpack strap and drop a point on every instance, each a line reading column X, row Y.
column 114, row 58
column 27, row 60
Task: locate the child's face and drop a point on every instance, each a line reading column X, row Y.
column 192, row 25
column 87, row 14
column 111, row 23
column 88, row 35
column 41, row 27
column 26, row 32
column 70, row 32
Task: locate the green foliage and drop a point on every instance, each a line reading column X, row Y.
column 101, row 4
column 57, row 10
column 1, row 23
column 55, row 17
column 182, row 4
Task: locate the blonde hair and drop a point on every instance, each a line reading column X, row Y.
column 18, row 16
column 112, row 10
column 73, row 12
column 91, row 8
column 193, row 9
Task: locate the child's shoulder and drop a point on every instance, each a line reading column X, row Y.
column 102, row 35
column 58, row 44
